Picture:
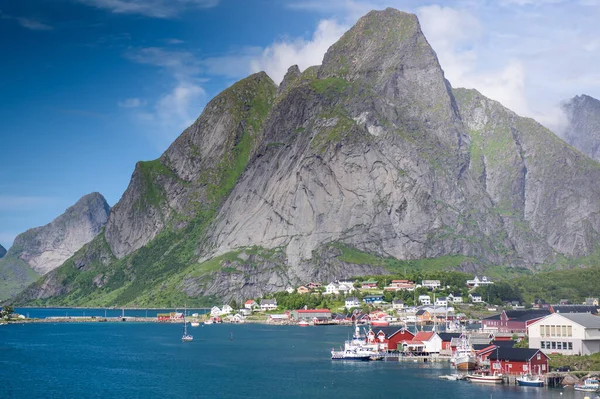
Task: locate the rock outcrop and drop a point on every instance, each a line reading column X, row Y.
column 40, row 250
column 2, row 251
column 583, row 128
column 367, row 159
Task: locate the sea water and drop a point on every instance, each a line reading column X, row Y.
column 148, row 360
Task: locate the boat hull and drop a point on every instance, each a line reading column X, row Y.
column 530, row 383
column 486, row 379
column 466, row 365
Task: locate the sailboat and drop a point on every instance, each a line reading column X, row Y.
column 186, row 337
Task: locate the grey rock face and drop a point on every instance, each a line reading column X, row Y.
column 583, row 129
column 2, row 251
column 47, row 247
column 178, row 182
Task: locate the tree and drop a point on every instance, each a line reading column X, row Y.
column 6, row 311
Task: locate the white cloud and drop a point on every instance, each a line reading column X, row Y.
column 33, row 24
column 132, row 103
column 279, row 56
column 151, row 8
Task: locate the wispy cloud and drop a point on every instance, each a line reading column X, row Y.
column 151, row 8
column 177, row 108
column 27, row 22
column 131, row 103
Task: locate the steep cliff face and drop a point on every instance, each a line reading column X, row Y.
column 42, row 249
column 348, row 168
column 197, row 169
column 544, row 190
column 583, row 128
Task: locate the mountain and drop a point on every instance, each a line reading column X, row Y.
column 2, row 251
column 40, row 250
column 583, row 128
column 367, row 164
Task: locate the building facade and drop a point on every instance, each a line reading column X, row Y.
column 566, row 333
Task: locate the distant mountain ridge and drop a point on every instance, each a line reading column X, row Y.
column 357, row 166
column 583, row 128
column 42, row 249
column 2, row 251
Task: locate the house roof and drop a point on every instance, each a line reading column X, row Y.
column 391, row 331
column 424, row 335
column 313, row 311
column 447, row 337
column 514, row 354
column 397, row 302
column 373, row 296
column 250, row 301
column 420, row 312
column 586, row 320
column 521, row 315
column 352, row 298
column 268, row 301
column 575, row 309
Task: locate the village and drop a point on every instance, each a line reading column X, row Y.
column 433, row 320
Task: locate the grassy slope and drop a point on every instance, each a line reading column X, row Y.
column 15, row 275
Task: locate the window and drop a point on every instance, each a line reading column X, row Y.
column 539, row 356
column 569, row 331
column 543, row 344
column 543, row 367
column 553, row 345
column 570, row 346
column 564, row 331
column 525, row 367
column 559, row 345
column 553, row 331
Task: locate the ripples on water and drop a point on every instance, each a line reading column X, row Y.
column 130, row 360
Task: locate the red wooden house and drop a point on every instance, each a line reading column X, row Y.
column 513, row 321
column 518, row 361
column 389, row 337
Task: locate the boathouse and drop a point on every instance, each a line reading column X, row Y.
column 321, row 315
column 518, row 361
column 389, row 337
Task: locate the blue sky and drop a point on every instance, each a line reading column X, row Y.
column 90, row 87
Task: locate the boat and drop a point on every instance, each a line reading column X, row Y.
column 464, row 358
column 589, row 385
column 380, row 323
column 194, row 324
column 209, row 321
column 186, row 337
column 485, row 378
column 527, row 380
column 303, row 323
column 351, row 354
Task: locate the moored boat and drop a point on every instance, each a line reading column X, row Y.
column 380, row 323
column 303, row 323
column 527, row 380
column 589, row 385
column 464, row 358
column 194, row 324
column 485, row 378
column 351, row 354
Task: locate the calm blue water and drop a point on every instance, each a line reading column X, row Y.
column 148, row 360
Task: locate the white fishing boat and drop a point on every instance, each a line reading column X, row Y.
column 528, row 380
column 485, row 378
column 209, row 321
column 355, row 349
column 589, row 385
column 303, row 323
column 194, row 324
column 464, row 358
column 351, row 354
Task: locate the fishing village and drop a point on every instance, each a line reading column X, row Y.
column 485, row 343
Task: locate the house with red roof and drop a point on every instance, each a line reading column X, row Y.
column 388, row 338
column 251, row 304
column 424, row 342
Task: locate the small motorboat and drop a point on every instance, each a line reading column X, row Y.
column 527, row 380
column 486, row 378
column 303, row 323
column 589, row 385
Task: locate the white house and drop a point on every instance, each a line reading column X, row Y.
column 251, row 304
column 332, row 288
column 352, row 302
column 268, row 304
column 398, row 304
column 476, row 282
column 226, row 309
column 455, row 298
column 566, row 333
column 431, row 284
column 441, row 301
column 475, row 298
column 289, row 290
column 215, row 311
column 424, row 300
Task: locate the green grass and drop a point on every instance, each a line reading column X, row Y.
column 331, row 84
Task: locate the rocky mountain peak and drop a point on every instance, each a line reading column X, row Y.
column 291, row 75
column 2, row 251
column 583, row 128
column 47, row 247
